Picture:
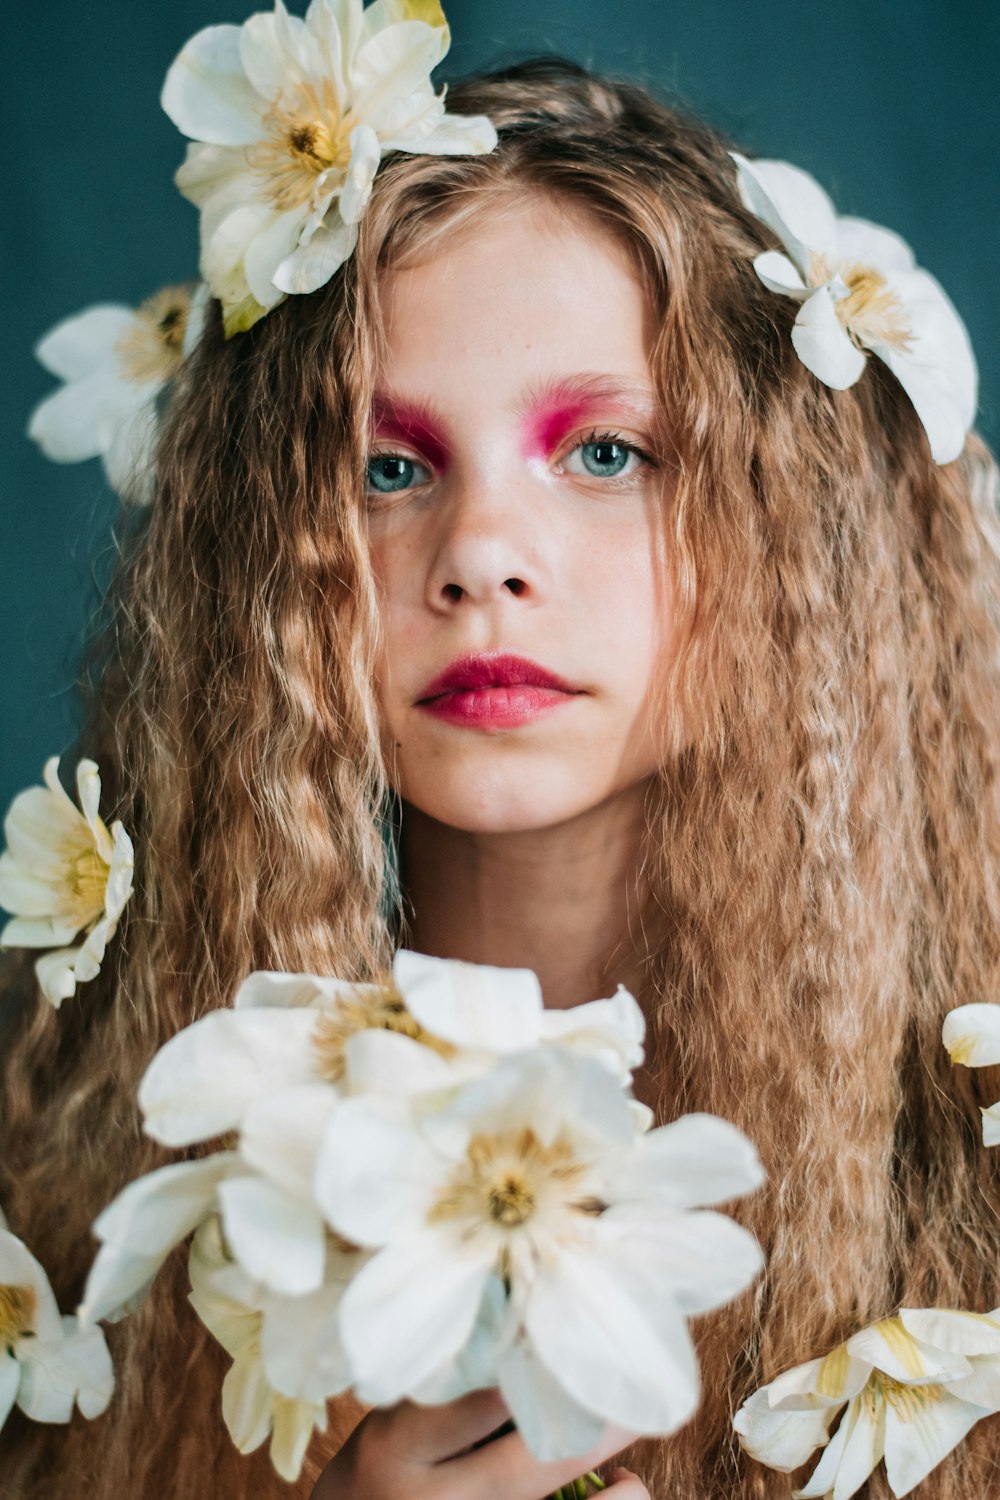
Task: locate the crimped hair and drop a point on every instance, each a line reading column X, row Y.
column 823, row 844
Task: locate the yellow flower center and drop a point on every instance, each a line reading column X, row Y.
column 307, row 133
column 18, row 1305
column 870, row 311
column 152, row 347
column 504, row 1181
column 84, row 877
column 379, row 1009
column 907, row 1401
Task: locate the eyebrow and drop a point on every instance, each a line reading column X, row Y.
column 413, row 422
column 551, row 407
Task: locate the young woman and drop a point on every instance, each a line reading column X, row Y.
column 721, row 723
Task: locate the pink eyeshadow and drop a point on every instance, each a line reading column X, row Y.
column 549, row 423
column 412, row 425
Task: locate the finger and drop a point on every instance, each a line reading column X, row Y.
column 424, row 1435
column 506, row 1467
column 626, row 1485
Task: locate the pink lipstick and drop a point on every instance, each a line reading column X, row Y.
column 498, row 691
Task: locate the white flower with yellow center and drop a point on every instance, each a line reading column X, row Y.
column 287, row 1355
column 116, row 361
column 971, row 1034
column 533, row 1180
column 860, row 289
column 291, row 118
column 913, row 1385
column 48, row 1363
column 63, row 872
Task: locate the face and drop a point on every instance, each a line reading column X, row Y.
column 515, row 525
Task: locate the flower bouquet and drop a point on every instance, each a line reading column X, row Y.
column 430, row 1186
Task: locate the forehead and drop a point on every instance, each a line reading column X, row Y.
column 535, row 284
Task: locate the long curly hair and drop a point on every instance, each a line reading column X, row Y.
column 823, row 848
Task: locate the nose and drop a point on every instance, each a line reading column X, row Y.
column 489, row 547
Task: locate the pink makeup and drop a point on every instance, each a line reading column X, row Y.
column 496, row 691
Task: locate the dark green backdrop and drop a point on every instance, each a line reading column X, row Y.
column 890, row 103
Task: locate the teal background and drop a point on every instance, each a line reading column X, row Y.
column 891, row 105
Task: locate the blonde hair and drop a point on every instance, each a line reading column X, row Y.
column 823, row 848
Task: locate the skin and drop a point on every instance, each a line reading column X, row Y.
column 521, row 846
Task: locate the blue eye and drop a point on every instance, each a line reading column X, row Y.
column 389, row 473
column 605, row 456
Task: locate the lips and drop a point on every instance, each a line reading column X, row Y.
column 496, row 693
column 501, row 669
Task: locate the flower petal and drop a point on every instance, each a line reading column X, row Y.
column 311, row 266
column 56, row 974
column 779, row 274
column 791, row 203
column 971, row 1033
column 919, row 1434
column 697, row 1160
column 604, row 1349
column 365, row 157
column 890, row 1348
column 991, row 1125
column 265, row 252
column 79, row 345
column 278, row 1239
column 304, row 1358
column 936, row 368
column 208, row 95
column 452, row 135
column 951, row 1331
column 409, row 1311
column 80, row 420
column 391, row 63
column 552, row 1424
column 471, row 1005
column 868, row 244
column 781, row 1439
column 282, row 1134
column 143, row 1224
column 204, row 1080
column 58, row 1373
column 10, row 1380
column 375, row 1177
column 824, row 345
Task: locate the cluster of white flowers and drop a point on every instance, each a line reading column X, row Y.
column 63, row 872
column 434, row 1185
column 48, row 1364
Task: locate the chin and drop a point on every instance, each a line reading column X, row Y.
column 500, row 804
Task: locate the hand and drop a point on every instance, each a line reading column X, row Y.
column 444, row 1453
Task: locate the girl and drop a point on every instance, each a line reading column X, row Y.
column 521, row 596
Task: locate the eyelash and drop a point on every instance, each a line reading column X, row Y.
column 595, row 438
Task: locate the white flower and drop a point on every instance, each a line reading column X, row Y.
column 48, row 1363
column 116, row 361
column 913, row 1386
column 533, row 1177
column 291, row 119
column 971, row 1034
column 287, row 1357
column 63, row 872
column 860, row 289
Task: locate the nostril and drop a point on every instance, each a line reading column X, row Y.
column 453, row 591
column 515, row 585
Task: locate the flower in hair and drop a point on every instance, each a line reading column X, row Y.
column 913, row 1386
column 860, row 289
column 116, row 361
column 971, row 1034
column 63, row 872
column 48, row 1363
column 290, row 119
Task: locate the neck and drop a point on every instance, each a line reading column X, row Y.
column 563, row 901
